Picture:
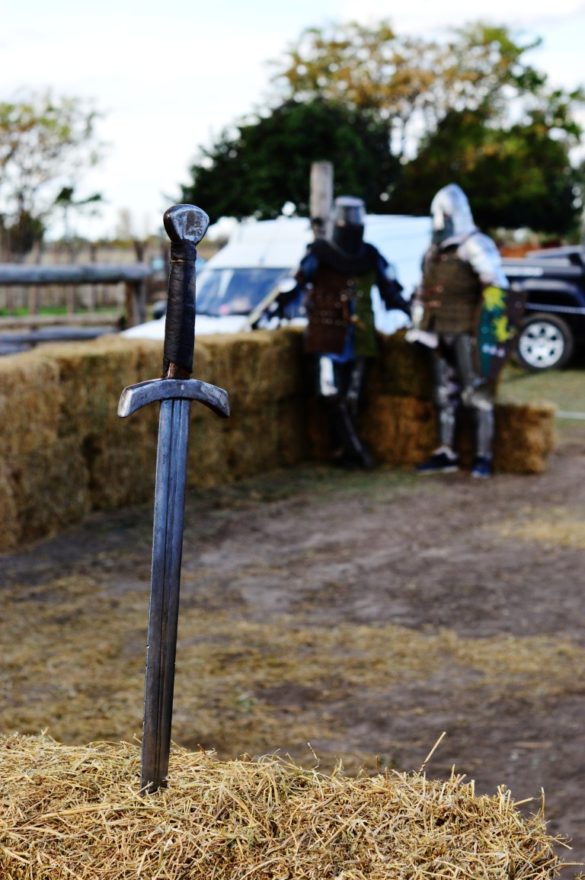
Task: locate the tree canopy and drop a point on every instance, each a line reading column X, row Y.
column 399, row 116
column 518, row 177
column 46, row 143
column 260, row 165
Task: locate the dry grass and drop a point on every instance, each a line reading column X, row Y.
column 73, row 660
column 75, row 812
column 556, row 527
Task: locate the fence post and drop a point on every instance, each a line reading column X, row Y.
column 321, row 196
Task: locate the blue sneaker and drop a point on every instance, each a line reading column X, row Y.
column 482, row 468
column 438, row 463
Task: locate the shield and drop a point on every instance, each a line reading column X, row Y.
column 499, row 319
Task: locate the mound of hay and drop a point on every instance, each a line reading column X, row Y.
column 76, row 812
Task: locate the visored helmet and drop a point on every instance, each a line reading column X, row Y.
column 451, row 215
column 348, row 223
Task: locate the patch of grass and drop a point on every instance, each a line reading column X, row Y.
column 557, row 527
column 564, row 388
column 278, row 485
column 23, row 311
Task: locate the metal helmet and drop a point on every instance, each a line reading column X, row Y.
column 348, row 223
column 451, row 215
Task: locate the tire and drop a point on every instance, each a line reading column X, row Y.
column 544, row 342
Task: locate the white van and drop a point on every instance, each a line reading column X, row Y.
column 261, row 254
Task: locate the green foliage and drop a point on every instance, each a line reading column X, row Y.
column 261, row 165
column 399, row 117
column 46, row 144
column 412, row 82
column 514, row 177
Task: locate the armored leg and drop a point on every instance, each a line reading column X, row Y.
column 340, row 386
column 355, row 386
column 476, row 394
column 446, row 398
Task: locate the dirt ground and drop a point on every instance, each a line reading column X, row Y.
column 332, row 616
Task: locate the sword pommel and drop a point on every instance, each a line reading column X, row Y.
column 185, row 225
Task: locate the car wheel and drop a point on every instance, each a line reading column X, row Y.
column 544, row 342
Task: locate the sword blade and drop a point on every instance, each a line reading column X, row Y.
column 167, row 548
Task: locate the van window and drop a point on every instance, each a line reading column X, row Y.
column 235, row 291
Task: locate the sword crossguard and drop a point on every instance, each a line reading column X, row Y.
column 134, row 397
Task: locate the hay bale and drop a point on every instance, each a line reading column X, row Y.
column 254, row 367
column 8, row 508
column 525, row 436
column 76, row 812
column 66, row 452
column 399, row 422
column 402, row 431
column 403, row 369
column 43, row 472
column 399, row 430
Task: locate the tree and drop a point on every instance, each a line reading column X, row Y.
column 412, row 82
column 399, row 116
column 470, row 109
column 46, row 144
column 516, row 177
column 68, row 201
column 264, row 163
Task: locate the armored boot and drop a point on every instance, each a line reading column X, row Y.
column 348, row 450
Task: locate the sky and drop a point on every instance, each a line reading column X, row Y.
column 169, row 77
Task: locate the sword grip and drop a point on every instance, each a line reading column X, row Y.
column 180, row 318
column 185, row 225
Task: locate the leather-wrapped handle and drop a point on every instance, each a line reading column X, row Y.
column 185, row 225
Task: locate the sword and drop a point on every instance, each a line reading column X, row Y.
column 185, row 225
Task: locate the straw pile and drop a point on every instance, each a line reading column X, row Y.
column 76, row 812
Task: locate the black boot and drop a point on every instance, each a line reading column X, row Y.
column 348, row 450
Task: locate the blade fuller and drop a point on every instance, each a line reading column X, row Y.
column 169, row 506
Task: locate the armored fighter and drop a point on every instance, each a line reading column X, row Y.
column 336, row 277
column 462, row 311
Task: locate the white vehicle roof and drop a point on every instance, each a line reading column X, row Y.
column 267, row 244
column 281, row 244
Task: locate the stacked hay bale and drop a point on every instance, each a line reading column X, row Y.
column 399, row 419
column 57, row 409
column 263, row 374
column 65, row 451
column 524, row 434
column 76, row 812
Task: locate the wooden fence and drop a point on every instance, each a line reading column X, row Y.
column 16, row 333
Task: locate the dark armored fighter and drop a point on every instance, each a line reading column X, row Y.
column 462, row 312
column 336, row 278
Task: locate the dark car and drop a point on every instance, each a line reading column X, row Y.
column 553, row 282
